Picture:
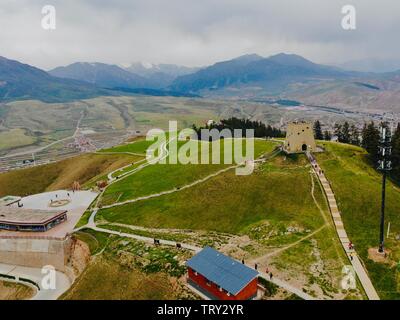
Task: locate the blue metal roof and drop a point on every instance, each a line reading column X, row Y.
column 224, row 271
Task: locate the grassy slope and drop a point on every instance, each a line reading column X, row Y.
column 15, row 291
column 139, row 146
column 357, row 187
column 106, row 279
column 230, row 203
column 125, row 269
column 262, row 205
column 161, row 177
column 60, row 174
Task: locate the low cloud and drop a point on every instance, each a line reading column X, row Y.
column 195, row 33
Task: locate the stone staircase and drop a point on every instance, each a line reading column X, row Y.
column 341, row 232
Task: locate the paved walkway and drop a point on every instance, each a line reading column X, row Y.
column 287, row 287
column 35, row 275
column 110, row 176
column 337, row 219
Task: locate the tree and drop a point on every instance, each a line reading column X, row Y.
column 345, row 133
column 354, row 135
column 327, row 135
column 338, row 131
column 318, row 131
column 370, row 141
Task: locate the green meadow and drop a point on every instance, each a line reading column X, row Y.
column 159, row 177
column 278, row 191
column 357, row 187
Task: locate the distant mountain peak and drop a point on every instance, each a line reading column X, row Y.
column 290, row 59
column 100, row 74
column 249, row 57
column 148, row 70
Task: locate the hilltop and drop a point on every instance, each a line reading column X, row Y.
column 256, row 217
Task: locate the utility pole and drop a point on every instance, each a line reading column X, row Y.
column 384, row 165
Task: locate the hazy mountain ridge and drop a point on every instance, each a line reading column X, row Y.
column 285, row 76
column 22, row 81
column 101, row 75
column 255, row 69
column 137, row 75
column 172, row 70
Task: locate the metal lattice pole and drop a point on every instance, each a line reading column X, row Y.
column 384, row 165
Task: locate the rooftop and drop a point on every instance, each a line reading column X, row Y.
column 14, row 215
column 224, row 271
column 7, row 200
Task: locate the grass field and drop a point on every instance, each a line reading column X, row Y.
column 15, row 138
column 231, row 203
column 138, row 146
column 161, row 177
column 60, row 174
column 357, row 187
column 264, row 206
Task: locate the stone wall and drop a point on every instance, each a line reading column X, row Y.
column 35, row 252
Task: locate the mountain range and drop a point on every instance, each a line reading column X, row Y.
column 101, row 75
column 136, row 75
column 21, row 81
column 253, row 69
column 246, row 77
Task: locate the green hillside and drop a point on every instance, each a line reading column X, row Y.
column 357, row 186
column 279, row 209
column 228, row 203
column 62, row 174
column 162, row 177
column 276, row 217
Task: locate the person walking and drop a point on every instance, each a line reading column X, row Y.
column 270, row 276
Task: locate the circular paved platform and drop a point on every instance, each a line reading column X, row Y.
column 75, row 199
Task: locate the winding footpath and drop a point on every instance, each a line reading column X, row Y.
column 337, row 219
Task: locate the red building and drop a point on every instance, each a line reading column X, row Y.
column 221, row 277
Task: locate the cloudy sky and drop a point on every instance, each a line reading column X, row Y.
column 196, row 33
